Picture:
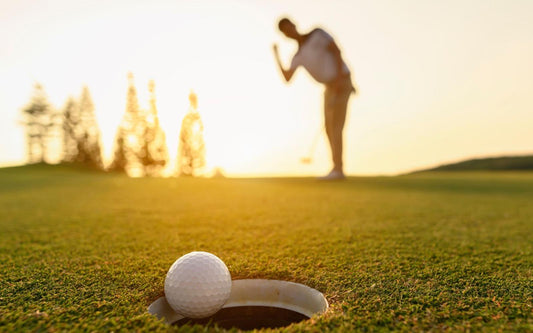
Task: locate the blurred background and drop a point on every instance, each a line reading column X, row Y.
column 438, row 81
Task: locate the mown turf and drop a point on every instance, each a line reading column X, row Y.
column 88, row 251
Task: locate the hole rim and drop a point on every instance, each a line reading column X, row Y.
column 287, row 295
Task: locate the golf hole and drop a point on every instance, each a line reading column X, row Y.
column 255, row 304
column 248, row 318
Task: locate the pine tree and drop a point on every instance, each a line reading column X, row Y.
column 120, row 161
column 89, row 144
column 39, row 120
column 129, row 134
column 71, row 122
column 191, row 150
column 153, row 153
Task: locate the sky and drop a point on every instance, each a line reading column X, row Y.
column 438, row 81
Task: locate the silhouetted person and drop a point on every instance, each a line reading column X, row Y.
column 320, row 56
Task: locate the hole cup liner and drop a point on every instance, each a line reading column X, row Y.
column 258, row 292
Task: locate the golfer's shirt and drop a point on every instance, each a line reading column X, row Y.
column 313, row 54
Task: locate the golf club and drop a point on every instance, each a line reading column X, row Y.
column 308, row 159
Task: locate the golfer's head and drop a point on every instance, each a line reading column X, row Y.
column 288, row 28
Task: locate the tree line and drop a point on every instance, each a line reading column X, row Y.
column 140, row 146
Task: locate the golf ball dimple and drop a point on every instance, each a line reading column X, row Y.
column 197, row 285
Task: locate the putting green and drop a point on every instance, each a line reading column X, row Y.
column 89, row 251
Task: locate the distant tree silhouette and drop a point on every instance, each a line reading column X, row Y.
column 120, row 161
column 153, row 152
column 89, row 143
column 81, row 135
column 140, row 144
column 218, row 172
column 129, row 134
column 70, row 126
column 39, row 118
column 191, row 150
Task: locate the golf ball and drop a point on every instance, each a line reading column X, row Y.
column 197, row 285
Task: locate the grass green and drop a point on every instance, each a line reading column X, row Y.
column 82, row 250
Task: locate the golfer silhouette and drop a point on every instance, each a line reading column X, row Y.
column 321, row 57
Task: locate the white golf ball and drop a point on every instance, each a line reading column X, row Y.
column 197, row 285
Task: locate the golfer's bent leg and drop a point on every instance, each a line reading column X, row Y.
column 339, row 118
column 329, row 116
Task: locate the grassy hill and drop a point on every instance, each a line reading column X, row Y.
column 489, row 164
column 81, row 250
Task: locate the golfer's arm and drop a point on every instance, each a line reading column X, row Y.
column 287, row 73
